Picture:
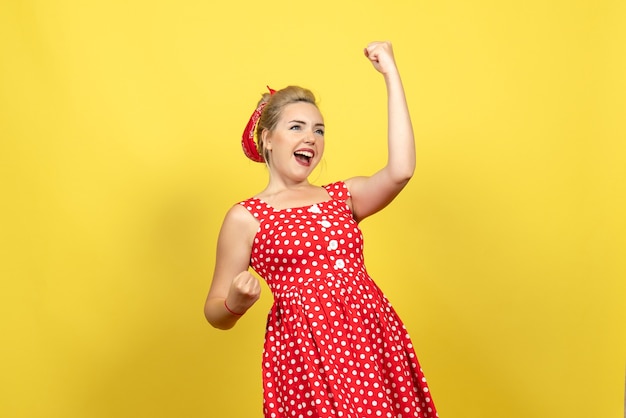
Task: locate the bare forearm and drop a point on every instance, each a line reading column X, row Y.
column 218, row 316
column 401, row 142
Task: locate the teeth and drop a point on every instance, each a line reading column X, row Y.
column 307, row 154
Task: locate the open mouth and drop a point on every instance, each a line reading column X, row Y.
column 304, row 157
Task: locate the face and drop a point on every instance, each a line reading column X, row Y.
column 296, row 144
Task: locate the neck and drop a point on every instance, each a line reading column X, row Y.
column 276, row 185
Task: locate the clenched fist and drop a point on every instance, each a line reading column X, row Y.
column 244, row 291
column 381, row 56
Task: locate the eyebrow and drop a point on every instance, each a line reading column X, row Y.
column 304, row 123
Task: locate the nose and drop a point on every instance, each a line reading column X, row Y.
column 309, row 137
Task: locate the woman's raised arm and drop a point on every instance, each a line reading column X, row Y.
column 373, row 193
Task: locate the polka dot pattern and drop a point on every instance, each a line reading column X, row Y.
column 334, row 346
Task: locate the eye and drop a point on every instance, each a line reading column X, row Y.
column 294, row 128
column 320, row 132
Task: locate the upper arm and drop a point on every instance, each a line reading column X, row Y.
column 371, row 194
column 234, row 246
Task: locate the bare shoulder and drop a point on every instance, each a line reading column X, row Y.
column 239, row 215
column 371, row 194
column 353, row 182
column 355, row 185
column 240, row 222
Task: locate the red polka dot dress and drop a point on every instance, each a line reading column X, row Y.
column 334, row 346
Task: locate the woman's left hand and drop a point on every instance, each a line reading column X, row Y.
column 381, row 56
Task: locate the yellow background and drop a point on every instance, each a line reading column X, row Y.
column 120, row 124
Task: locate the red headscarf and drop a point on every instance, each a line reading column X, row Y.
column 247, row 139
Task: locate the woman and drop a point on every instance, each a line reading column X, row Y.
column 334, row 346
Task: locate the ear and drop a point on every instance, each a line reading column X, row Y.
column 266, row 140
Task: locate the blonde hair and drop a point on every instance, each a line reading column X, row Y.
column 273, row 109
